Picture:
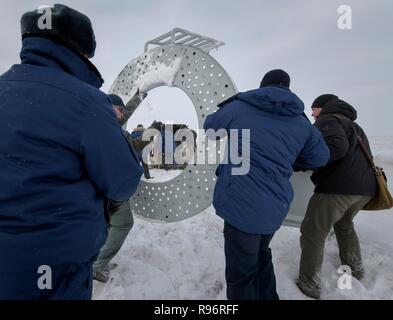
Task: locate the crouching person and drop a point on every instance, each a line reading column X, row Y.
column 120, row 218
column 254, row 205
column 342, row 188
column 62, row 154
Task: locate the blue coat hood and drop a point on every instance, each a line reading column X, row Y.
column 274, row 99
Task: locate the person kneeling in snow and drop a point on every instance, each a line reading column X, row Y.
column 254, row 205
column 120, row 216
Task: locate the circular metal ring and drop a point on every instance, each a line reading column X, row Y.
column 207, row 84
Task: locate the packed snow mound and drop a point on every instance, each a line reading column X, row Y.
column 158, row 74
column 185, row 260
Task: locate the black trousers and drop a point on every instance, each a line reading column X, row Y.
column 146, row 170
column 249, row 269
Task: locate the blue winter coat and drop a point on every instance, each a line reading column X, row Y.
column 137, row 135
column 61, row 153
column 280, row 137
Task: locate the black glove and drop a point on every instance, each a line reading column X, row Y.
column 300, row 169
column 141, row 95
column 110, row 208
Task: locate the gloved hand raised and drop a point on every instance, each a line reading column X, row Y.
column 132, row 105
column 141, row 94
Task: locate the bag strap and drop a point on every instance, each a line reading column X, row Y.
column 359, row 141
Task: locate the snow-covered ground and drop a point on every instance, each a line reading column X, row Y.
column 185, row 260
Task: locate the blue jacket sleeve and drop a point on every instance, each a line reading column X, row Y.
column 315, row 152
column 221, row 119
column 110, row 161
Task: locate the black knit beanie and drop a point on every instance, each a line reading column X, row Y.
column 276, row 77
column 116, row 100
column 322, row 100
column 68, row 27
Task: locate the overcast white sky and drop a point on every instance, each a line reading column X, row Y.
column 300, row 36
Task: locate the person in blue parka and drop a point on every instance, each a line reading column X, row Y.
column 62, row 153
column 137, row 135
column 254, row 205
